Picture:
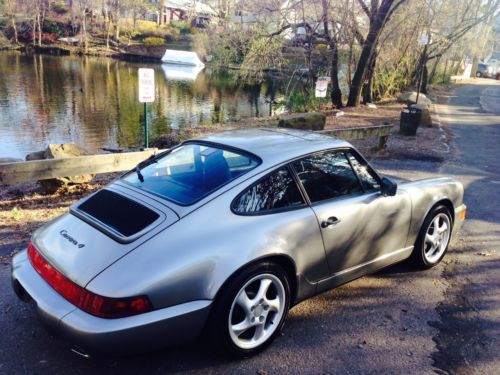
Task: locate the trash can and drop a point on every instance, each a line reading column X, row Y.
column 409, row 121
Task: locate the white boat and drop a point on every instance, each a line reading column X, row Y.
column 188, row 58
column 175, row 72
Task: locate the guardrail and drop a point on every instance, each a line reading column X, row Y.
column 26, row 171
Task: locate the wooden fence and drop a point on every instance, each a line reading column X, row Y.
column 26, row 171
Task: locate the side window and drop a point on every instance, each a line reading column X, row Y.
column 327, row 175
column 278, row 190
column 368, row 179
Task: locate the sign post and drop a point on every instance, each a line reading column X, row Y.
column 321, row 88
column 146, row 95
column 423, row 40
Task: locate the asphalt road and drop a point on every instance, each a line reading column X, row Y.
column 397, row 321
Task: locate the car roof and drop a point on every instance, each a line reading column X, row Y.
column 275, row 145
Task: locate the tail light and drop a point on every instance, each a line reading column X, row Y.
column 104, row 307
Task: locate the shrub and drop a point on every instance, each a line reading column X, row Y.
column 201, row 43
column 154, row 41
column 168, row 33
column 50, row 27
column 182, row 26
column 49, row 38
column 144, row 27
column 300, row 101
column 59, row 7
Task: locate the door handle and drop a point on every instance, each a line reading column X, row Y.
column 331, row 221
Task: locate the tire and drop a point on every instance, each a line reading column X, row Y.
column 250, row 310
column 433, row 238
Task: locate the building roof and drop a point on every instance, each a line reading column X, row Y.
column 197, row 7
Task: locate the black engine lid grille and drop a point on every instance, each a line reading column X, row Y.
column 122, row 214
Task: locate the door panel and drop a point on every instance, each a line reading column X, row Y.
column 358, row 224
column 368, row 226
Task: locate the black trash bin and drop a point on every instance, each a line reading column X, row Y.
column 409, row 121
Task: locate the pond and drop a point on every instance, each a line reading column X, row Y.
column 92, row 101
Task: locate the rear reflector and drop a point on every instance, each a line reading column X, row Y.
column 104, row 307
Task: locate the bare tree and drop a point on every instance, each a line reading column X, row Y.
column 378, row 14
column 449, row 23
column 10, row 7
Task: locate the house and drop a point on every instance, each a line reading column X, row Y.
column 194, row 11
column 287, row 16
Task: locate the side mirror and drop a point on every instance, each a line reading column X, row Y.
column 388, row 187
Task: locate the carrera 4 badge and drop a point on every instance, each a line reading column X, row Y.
column 65, row 234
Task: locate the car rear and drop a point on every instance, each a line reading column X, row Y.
column 66, row 254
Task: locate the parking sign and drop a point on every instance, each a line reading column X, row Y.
column 146, row 85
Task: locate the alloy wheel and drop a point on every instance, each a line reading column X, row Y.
column 437, row 237
column 256, row 311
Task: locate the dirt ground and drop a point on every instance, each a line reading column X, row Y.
column 24, row 208
column 429, row 144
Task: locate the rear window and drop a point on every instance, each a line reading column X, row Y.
column 191, row 172
column 110, row 208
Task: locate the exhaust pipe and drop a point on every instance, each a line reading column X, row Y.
column 80, row 352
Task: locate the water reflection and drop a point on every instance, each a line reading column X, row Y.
column 181, row 72
column 93, row 101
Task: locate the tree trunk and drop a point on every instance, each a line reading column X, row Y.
column 108, row 30
column 336, row 94
column 13, row 20
column 117, row 31
column 84, row 32
column 432, row 76
column 349, row 65
column 34, row 31
column 39, row 30
column 425, row 77
column 368, row 87
column 359, row 74
column 444, row 71
column 378, row 18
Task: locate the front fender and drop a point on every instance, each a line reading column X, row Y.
column 425, row 194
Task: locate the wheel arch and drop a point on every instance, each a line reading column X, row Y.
column 283, row 260
column 443, row 202
column 439, row 202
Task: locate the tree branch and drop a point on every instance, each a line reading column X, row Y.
column 363, row 6
column 394, row 8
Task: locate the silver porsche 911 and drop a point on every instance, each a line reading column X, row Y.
column 222, row 235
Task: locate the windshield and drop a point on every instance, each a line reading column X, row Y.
column 191, row 171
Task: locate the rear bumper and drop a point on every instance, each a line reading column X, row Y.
column 459, row 219
column 169, row 326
